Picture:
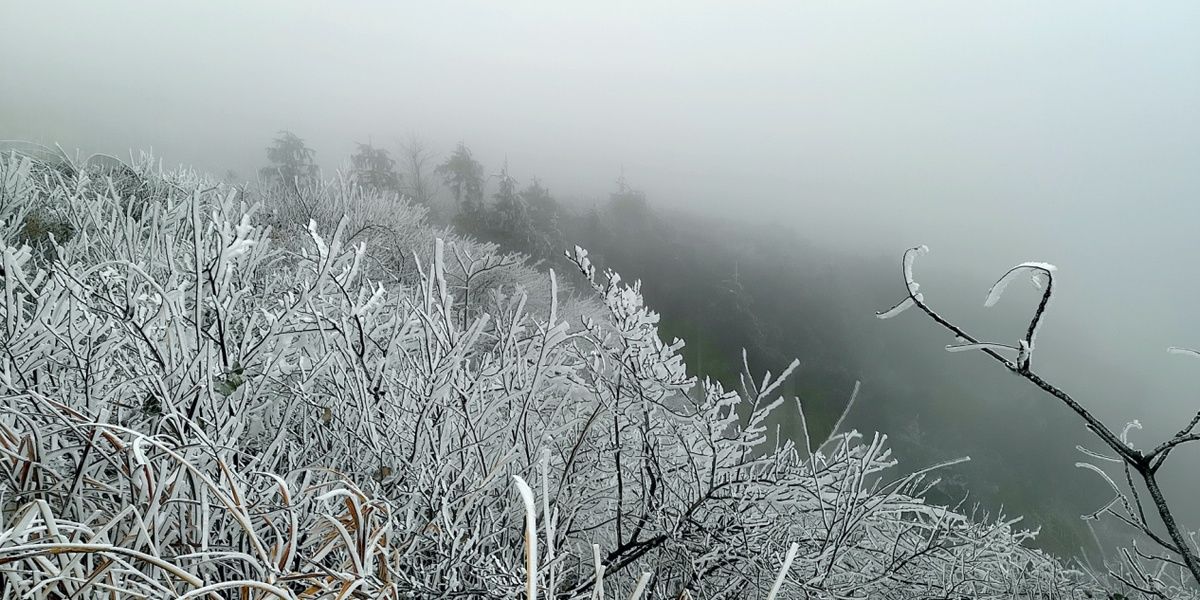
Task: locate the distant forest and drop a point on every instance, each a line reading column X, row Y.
column 730, row 287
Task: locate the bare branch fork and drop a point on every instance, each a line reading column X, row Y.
column 1145, row 464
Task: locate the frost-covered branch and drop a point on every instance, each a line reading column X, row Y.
column 1145, row 464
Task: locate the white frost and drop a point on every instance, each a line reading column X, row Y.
column 909, row 258
column 904, row 305
column 1040, row 269
column 977, row 346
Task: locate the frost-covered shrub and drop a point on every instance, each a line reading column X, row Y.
column 199, row 399
column 400, row 240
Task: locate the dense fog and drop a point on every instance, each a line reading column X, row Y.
column 995, row 133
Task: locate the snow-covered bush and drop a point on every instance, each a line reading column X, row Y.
column 199, row 399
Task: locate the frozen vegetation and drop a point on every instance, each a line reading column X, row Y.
column 310, row 392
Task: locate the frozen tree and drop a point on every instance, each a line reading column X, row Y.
column 510, row 211
column 1173, row 569
column 543, row 234
column 627, row 204
column 464, row 176
column 293, row 163
column 419, row 183
column 374, row 169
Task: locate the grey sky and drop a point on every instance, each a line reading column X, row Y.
column 996, row 132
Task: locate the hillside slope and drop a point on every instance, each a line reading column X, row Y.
column 314, row 394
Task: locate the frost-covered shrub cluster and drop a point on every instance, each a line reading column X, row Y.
column 213, row 392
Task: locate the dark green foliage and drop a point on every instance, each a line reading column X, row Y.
column 38, row 230
column 151, row 406
column 232, row 380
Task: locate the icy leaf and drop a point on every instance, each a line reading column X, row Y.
column 904, row 305
column 977, row 346
column 1039, row 270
